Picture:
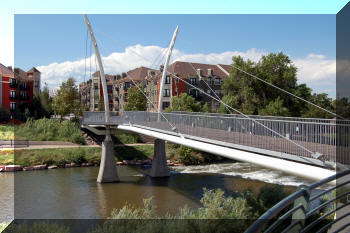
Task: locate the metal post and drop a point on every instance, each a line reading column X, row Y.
column 300, row 214
column 165, row 71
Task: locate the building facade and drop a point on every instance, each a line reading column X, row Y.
column 17, row 88
column 206, row 77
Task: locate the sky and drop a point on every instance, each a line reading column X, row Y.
column 56, row 43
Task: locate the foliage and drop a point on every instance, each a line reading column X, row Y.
column 188, row 156
column 37, row 227
column 184, row 103
column 136, row 100
column 126, row 138
column 40, row 107
column 50, row 130
column 101, row 105
column 342, row 106
column 4, row 114
column 133, row 152
column 67, row 99
column 7, row 132
column 252, row 96
column 275, row 108
column 206, row 108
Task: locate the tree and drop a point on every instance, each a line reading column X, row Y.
column 136, row 100
column 342, row 106
column 323, row 101
column 252, row 96
column 67, row 99
column 275, row 108
column 46, row 102
column 184, row 103
column 4, row 114
column 101, row 105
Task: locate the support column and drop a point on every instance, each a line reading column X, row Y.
column 159, row 164
column 108, row 170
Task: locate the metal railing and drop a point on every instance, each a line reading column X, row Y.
column 287, row 137
column 14, row 143
column 304, row 211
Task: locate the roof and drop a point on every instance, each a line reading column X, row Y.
column 19, row 73
column 4, row 71
column 33, row 70
column 139, row 73
column 186, row 69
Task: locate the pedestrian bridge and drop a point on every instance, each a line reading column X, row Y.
column 301, row 146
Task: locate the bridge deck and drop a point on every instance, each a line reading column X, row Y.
column 246, row 134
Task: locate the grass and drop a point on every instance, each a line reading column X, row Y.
column 78, row 155
column 7, row 132
column 49, row 130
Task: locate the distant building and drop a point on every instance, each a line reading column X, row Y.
column 17, row 88
column 197, row 74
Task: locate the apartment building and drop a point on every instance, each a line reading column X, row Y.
column 17, row 88
column 206, row 77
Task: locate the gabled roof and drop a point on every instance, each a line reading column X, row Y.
column 19, row 73
column 33, row 70
column 4, row 71
column 139, row 73
column 186, row 69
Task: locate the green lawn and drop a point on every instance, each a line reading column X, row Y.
column 6, row 132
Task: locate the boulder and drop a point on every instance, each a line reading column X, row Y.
column 39, row 167
column 67, row 165
column 29, row 168
column 13, row 168
column 52, row 167
column 2, row 168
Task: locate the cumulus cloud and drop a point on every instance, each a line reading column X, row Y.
column 314, row 69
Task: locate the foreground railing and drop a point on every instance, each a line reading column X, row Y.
column 303, row 139
column 304, row 212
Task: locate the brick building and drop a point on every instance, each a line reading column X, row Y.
column 194, row 73
column 17, row 88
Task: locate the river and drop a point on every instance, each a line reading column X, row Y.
column 73, row 192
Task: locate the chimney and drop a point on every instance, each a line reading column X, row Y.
column 210, row 72
column 123, row 75
column 10, row 68
column 199, row 72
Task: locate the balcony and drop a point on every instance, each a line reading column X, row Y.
column 23, row 87
column 24, row 97
column 13, row 97
column 13, row 84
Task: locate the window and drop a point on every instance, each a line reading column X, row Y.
column 209, row 80
column 194, row 93
column 12, row 106
column 193, row 81
column 217, row 81
column 12, row 94
column 96, row 86
column 12, row 82
column 167, row 79
column 166, row 105
column 166, row 93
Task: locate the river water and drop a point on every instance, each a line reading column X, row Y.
column 73, row 193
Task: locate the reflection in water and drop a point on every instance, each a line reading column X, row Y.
column 73, row 193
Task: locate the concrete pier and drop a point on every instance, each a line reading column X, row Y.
column 108, row 170
column 159, row 164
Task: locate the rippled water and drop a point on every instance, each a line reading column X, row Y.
column 73, row 193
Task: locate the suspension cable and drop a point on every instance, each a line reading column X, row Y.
column 137, row 86
column 285, row 91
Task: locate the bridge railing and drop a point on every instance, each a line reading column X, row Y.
column 310, row 209
column 286, row 137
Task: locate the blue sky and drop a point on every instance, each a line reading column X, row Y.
column 62, row 37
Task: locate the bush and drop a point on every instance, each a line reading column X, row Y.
column 78, row 157
column 126, row 138
column 50, row 130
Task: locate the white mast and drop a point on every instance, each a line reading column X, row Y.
column 165, row 71
column 102, row 73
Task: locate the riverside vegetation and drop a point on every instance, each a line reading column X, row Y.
column 219, row 212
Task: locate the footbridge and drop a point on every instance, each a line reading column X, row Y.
column 305, row 147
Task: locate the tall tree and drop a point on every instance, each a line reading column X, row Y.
column 184, row 103
column 136, row 100
column 67, row 99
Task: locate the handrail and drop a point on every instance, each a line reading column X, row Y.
column 260, row 224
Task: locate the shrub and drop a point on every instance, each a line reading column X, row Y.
column 4, row 114
column 78, row 157
column 126, row 138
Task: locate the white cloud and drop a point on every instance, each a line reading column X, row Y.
column 315, row 69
